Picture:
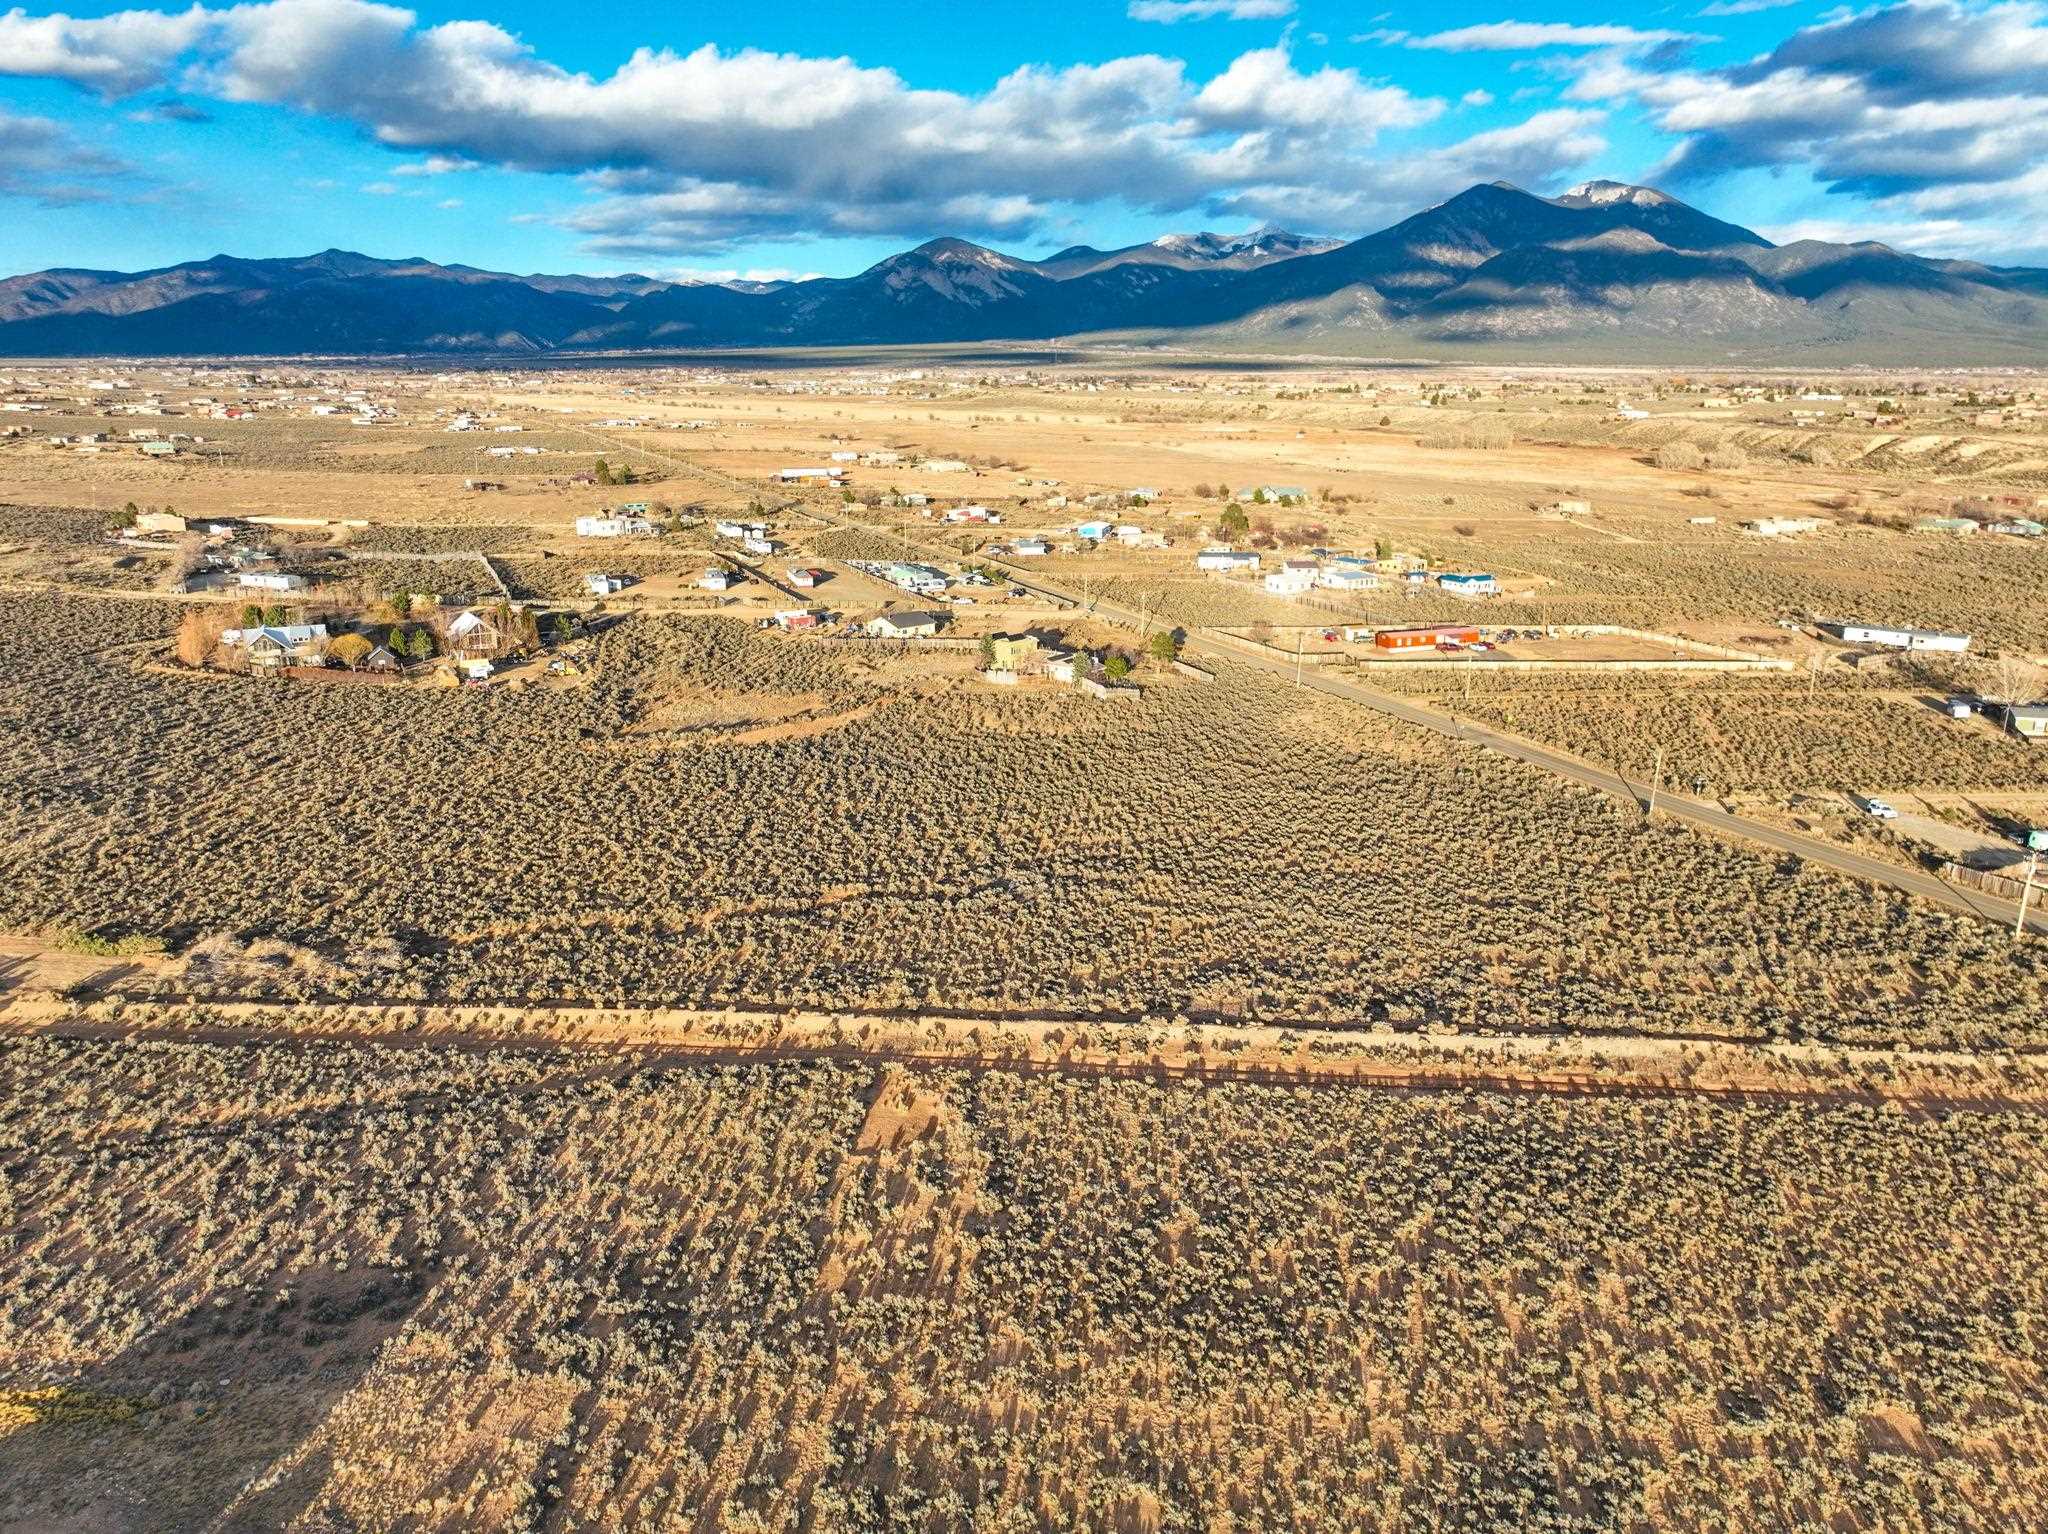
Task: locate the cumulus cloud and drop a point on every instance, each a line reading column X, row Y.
column 1171, row 11
column 1913, row 104
column 114, row 55
column 1530, row 153
column 41, row 162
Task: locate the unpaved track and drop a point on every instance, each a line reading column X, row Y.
column 1634, row 1067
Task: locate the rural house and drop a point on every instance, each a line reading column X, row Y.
column 903, row 626
column 1013, row 652
column 271, row 580
column 612, row 527
column 1457, row 585
column 1344, row 576
column 1292, row 578
column 287, row 644
column 1898, row 639
column 2029, row 720
column 472, row 634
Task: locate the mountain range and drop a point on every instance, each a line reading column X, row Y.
column 1606, row 271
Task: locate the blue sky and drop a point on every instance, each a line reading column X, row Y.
column 784, row 137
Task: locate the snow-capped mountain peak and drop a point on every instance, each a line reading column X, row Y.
column 1600, row 194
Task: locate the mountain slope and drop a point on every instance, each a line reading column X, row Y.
column 1605, row 270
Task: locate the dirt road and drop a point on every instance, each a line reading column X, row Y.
column 1550, row 1065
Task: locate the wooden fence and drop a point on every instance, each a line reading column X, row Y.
column 1990, row 881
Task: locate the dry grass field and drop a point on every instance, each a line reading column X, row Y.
column 255, row 1286
column 1744, row 733
column 703, row 1077
column 1226, row 849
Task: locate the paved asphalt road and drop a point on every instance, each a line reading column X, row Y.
column 1710, row 816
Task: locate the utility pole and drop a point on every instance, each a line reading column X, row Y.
column 1656, row 777
column 2019, row 927
column 1297, row 657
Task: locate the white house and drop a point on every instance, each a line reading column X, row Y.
column 1094, row 531
column 1780, row 527
column 903, row 626
column 1226, row 560
column 756, row 544
column 946, row 465
column 1349, row 578
column 271, row 580
column 1899, row 639
column 717, row 579
column 1292, row 578
column 612, row 527
column 797, row 476
column 602, row 585
column 1029, row 548
column 924, row 580
column 1463, row 585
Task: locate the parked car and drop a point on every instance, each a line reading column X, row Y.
column 1479, row 644
column 1879, row 809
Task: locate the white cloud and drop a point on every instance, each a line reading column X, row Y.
column 41, row 162
column 1906, row 104
column 115, row 55
column 1476, row 99
column 1521, row 36
column 1744, row 7
column 437, row 165
column 1262, row 90
column 1171, row 11
column 1534, row 152
column 733, row 274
